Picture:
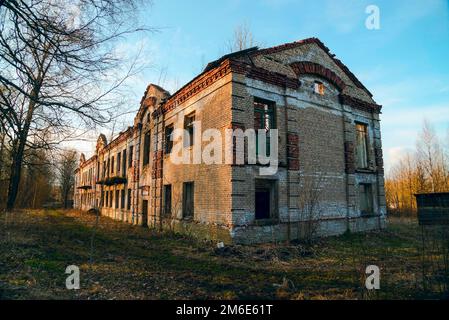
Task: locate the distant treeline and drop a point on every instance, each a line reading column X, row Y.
column 425, row 169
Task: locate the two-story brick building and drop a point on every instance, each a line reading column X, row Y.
column 330, row 170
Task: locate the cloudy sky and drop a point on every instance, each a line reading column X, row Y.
column 405, row 63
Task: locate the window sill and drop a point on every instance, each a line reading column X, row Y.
column 365, row 170
column 369, row 215
column 265, row 222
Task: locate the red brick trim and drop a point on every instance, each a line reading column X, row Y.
column 156, row 172
column 360, row 104
column 264, row 75
column 307, row 67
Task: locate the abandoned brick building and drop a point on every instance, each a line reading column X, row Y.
column 330, row 155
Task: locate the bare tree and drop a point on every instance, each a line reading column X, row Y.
column 311, row 189
column 242, row 39
column 431, row 157
column 66, row 179
column 424, row 170
column 60, row 71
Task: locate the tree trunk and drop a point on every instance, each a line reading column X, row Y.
column 16, row 166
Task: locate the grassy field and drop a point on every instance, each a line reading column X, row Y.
column 119, row 261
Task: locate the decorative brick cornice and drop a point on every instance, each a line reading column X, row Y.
column 197, row 85
column 264, row 75
column 121, row 138
column 88, row 162
column 318, row 42
column 307, row 67
column 360, row 104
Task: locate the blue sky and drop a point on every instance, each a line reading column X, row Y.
column 405, row 64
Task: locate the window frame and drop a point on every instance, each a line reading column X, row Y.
column 266, row 117
column 368, row 200
column 168, row 138
column 188, row 215
column 318, row 87
column 190, row 128
column 362, row 164
column 146, row 148
column 168, row 200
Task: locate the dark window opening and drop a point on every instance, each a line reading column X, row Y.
column 117, row 198
column 265, row 199
column 112, row 165
column 122, row 202
column 107, row 199
column 145, row 212
column 119, row 162
column 146, row 149
column 167, row 199
column 110, row 198
column 262, row 204
column 188, row 127
column 130, row 157
column 168, row 139
column 128, row 204
column 124, row 163
column 188, row 200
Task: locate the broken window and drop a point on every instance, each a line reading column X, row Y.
column 188, row 127
column 122, row 198
column 128, row 204
column 263, row 119
column 146, row 149
column 124, row 163
column 167, row 199
column 188, row 200
column 366, row 198
column 361, row 146
column 112, row 165
column 318, row 87
column 168, row 139
column 130, row 157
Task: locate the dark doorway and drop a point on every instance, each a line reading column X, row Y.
column 145, row 213
column 262, row 203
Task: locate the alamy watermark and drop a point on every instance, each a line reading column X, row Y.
column 372, row 22
column 72, row 282
column 226, row 146
column 372, row 282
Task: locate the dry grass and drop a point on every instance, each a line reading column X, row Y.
column 130, row 262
